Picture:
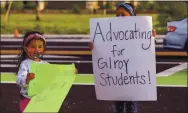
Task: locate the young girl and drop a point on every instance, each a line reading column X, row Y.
column 33, row 48
column 34, row 44
column 125, row 9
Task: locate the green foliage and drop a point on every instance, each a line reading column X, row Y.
column 171, row 11
column 2, row 10
column 108, row 5
column 145, row 6
column 58, row 23
column 29, row 5
column 17, row 5
column 76, row 9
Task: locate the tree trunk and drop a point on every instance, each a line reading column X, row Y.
column 37, row 11
column 8, row 10
column 104, row 4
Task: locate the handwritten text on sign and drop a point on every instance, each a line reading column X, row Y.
column 124, row 58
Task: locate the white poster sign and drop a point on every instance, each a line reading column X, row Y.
column 123, row 56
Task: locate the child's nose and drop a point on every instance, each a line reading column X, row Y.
column 38, row 49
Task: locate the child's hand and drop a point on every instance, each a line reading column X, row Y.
column 30, row 76
column 76, row 71
column 154, row 33
column 90, row 45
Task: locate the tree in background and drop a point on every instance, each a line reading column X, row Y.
column 76, row 9
column 171, row 11
column 108, row 6
column 29, row 5
column 37, row 11
column 33, row 5
column 18, row 5
column 146, row 7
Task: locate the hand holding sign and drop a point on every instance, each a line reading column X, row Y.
column 123, row 58
column 76, row 71
column 30, row 76
column 90, row 44
column 154, row 33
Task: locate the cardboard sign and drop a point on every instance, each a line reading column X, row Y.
column 49, row 92
column 123, row 56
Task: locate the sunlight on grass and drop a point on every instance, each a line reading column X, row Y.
column 54, row 23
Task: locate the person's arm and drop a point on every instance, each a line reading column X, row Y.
column 76, row 71
column 22, row 74
column 23, row 77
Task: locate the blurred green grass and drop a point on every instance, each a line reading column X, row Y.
column 179, row 78
column 57, row 23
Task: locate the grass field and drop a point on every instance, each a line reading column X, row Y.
column 58, row 23
column 179, row 78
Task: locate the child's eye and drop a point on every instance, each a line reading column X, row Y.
column 40, row 46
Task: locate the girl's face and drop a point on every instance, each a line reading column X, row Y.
column 35, row 49
column 122, row 12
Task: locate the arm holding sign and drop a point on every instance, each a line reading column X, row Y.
column 22, row 79
column 76, row 71
column 154, row 33
column 22, row 75
column 30, row 76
